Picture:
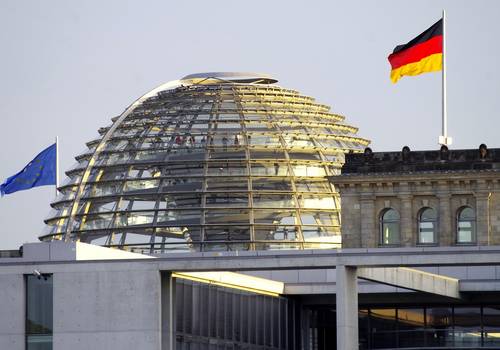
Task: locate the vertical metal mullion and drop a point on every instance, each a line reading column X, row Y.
column 255, row 93
column 201, row 310
column 396, row 313
column 369, row 327
column 232, row 336
column 257, row 319
column 297, row 220
column 155, row 218
column 208, row 150
column 169, row 147
column 110, row 239
column 111, row 225
column 250, row 326
column 196, row 312
column 244, row 133
column 271, row 316
column 296, row 330
column 453, row 323
column 203, row 201
column 129, row 207
column 283, row 330
column 118, row 205
column 481, row 323
column 425, row 326
column 264, row 320
column 162, row 134
column 217, row 313
column 185, row 300
column 228, row 302
column 271, row 120
column 295, row 196
column 243, row 314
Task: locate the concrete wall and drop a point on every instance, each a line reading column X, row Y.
column 12, row 312
column 107, row 310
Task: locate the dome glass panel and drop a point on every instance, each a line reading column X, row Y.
column 214, row 161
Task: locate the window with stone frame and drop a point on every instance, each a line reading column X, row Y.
column 427, row 223
column 466, row 225
column 389, row 227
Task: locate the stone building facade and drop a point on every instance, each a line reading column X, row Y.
column 420, row 198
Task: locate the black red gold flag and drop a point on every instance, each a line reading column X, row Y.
column 420, row 55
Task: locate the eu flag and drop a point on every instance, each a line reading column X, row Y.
column 39, row 172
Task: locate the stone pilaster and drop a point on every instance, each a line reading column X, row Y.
column 482, row 218
column 495, row 218
column 369, row 229
column 351, row 221
column 406, row 221
column 446, row 235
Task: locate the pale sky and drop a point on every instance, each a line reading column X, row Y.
column 67, row 67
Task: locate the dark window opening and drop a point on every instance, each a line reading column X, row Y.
column 39, row 312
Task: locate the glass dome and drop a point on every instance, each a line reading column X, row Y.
column 214, row 161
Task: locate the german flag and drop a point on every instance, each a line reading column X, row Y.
column 420, row 55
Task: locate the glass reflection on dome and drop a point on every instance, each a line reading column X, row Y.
column 206, row 166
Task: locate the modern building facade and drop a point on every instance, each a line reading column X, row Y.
column 61, row 295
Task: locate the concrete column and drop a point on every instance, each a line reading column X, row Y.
column 446, row 235
column 407, row 239
column 369, row 231
column 168, row 314
column 347, row 308
column 482, row 218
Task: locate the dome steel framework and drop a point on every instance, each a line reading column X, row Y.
column 214, row 161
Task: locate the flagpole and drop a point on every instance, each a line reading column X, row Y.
column 57, row 164
column 444, row 139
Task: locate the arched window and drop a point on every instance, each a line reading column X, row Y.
column 389, row 227
column 427, row 219
column 466, row 225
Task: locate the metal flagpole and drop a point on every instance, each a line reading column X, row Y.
column 57, row 163
column 444, row 139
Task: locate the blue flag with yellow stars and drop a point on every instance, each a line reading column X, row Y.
column 40, row 171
